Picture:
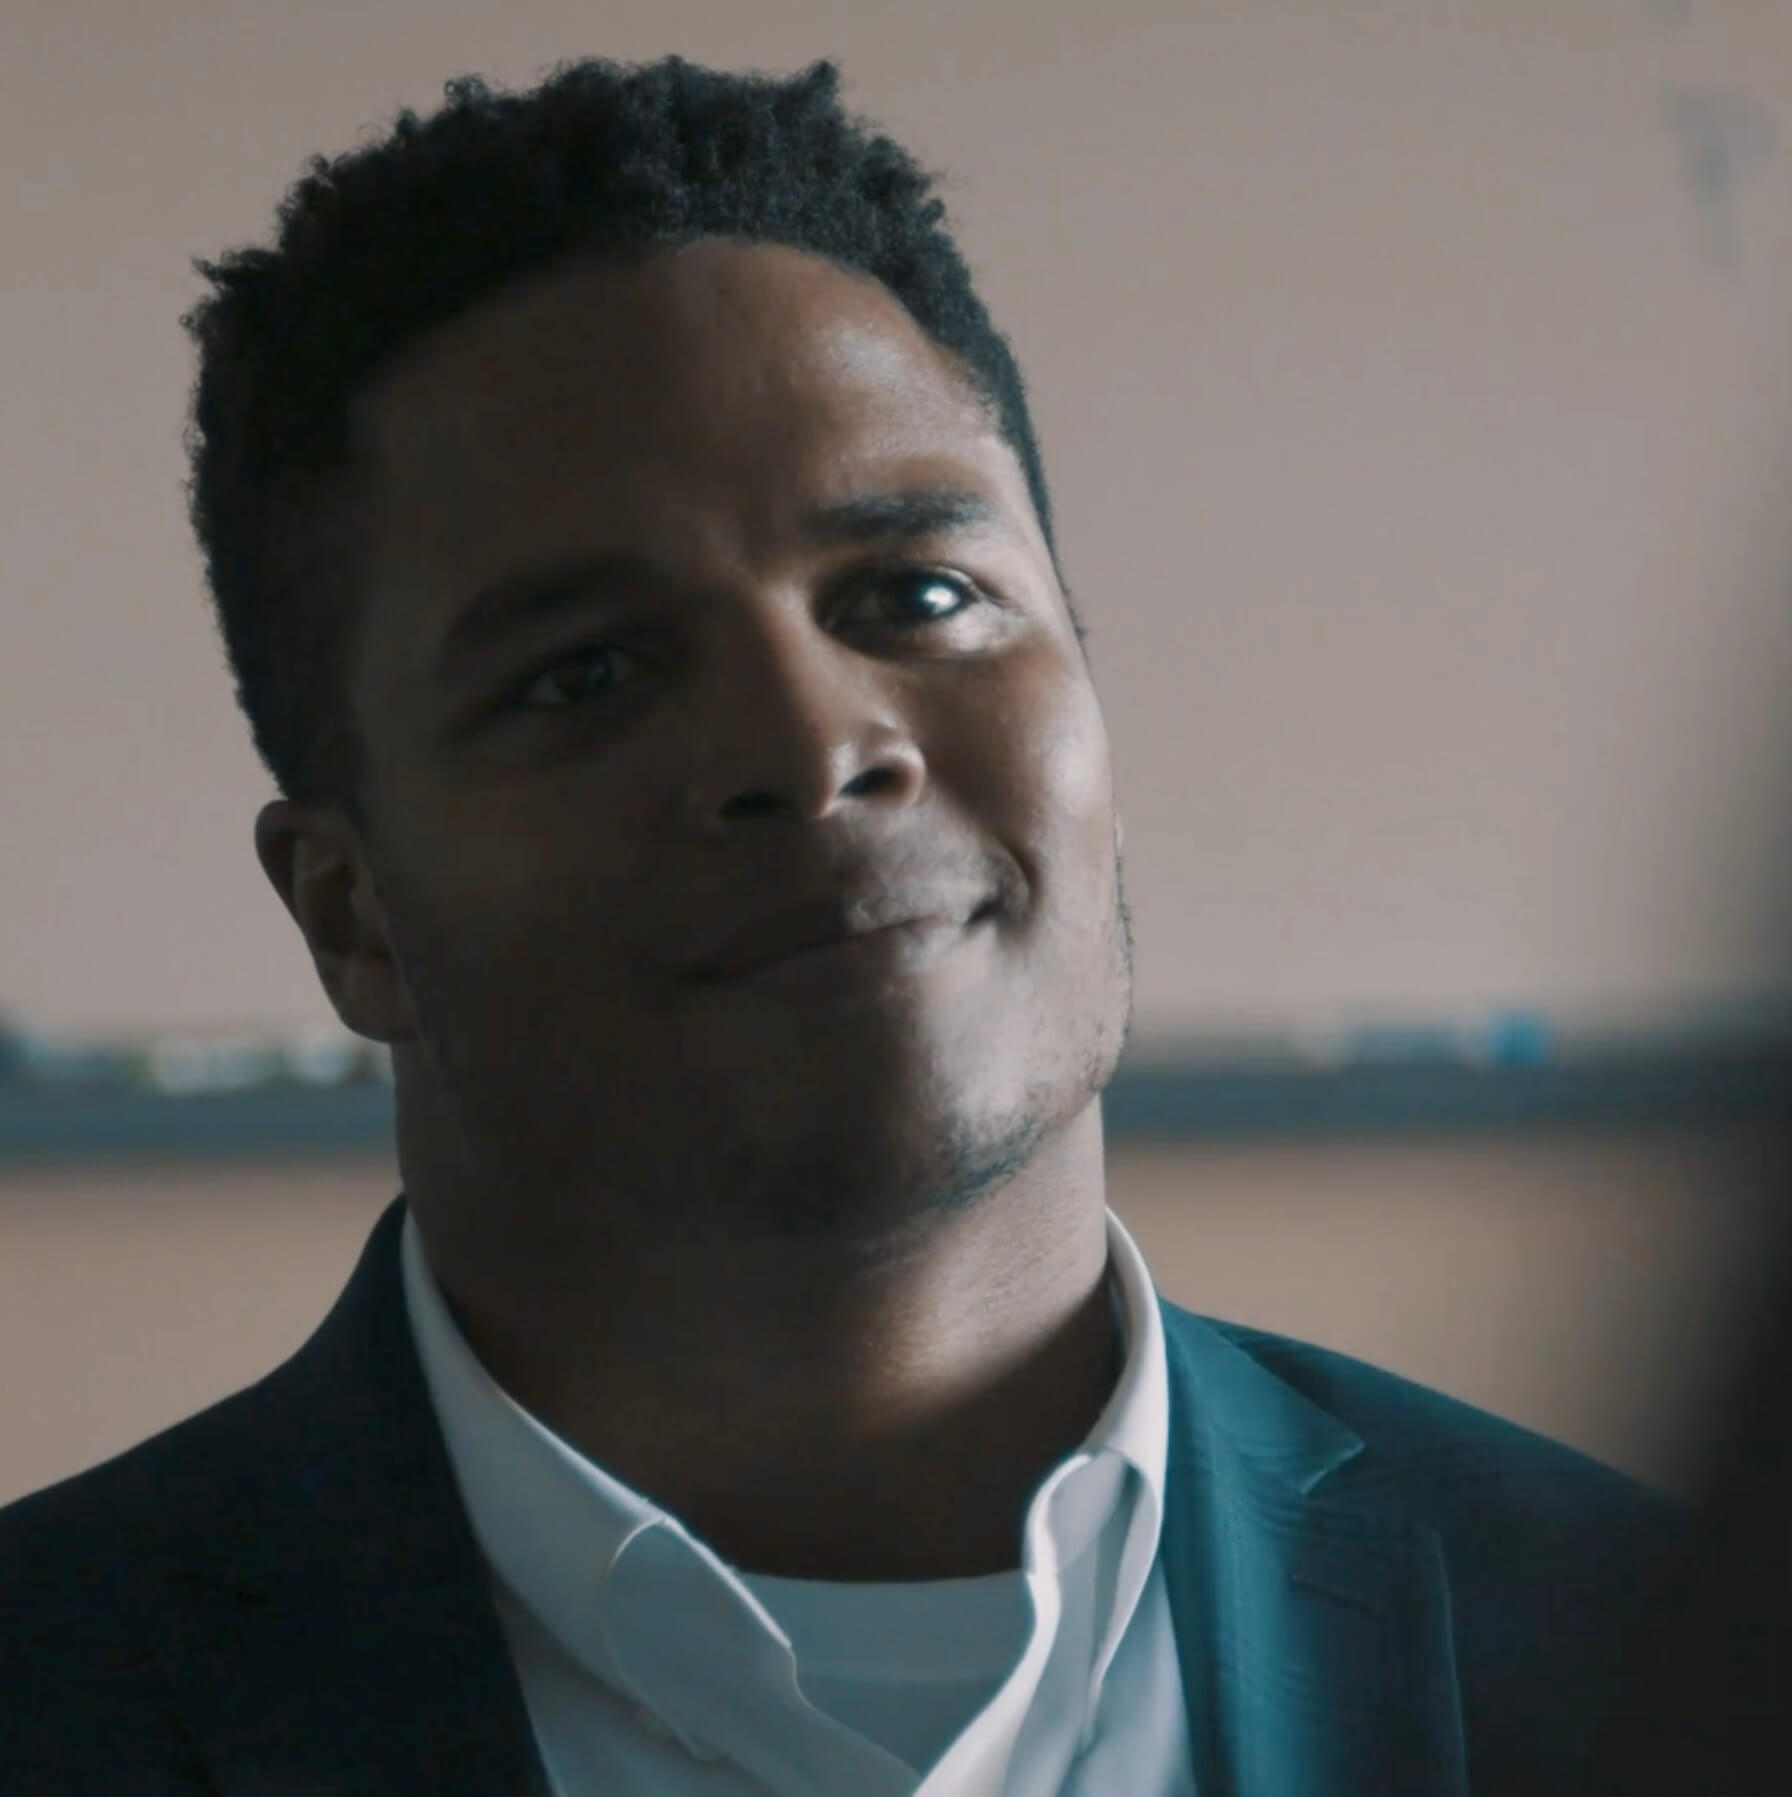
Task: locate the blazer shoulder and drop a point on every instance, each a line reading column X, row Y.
column 172, row 1466
column 86, row 1704
column 76, row 1556
column 1553, row 1558
column 1444, row 1451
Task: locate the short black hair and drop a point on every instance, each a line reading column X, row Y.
column 386, row 243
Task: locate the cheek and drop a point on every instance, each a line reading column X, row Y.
column 511, row 860
column 1071, row 771
column 469, row 911
column 1050, row 808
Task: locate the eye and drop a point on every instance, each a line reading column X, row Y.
column 551, row 676
column 925, row 579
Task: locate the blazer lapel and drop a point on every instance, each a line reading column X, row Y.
column 323, row 1614
column 1312, row 1618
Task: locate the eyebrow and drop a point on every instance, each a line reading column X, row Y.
column 509, row 604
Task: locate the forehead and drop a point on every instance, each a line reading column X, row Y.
column 720, row 376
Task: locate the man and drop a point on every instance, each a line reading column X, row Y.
column 638, row 572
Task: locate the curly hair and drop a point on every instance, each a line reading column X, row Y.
column 386, row 243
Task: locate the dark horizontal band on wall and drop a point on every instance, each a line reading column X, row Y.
column 1164, row 1101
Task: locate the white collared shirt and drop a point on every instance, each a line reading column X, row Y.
column 650, row 1664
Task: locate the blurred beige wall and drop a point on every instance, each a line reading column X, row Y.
column 1413, row 378
column 1585, row 1285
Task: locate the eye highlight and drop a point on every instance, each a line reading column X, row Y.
column 930, row 577
column 518, row 696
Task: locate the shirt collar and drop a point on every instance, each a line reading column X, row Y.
column 539, row 1508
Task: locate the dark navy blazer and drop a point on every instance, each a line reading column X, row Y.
column 1377, row 1591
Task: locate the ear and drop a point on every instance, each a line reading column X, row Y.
column 314, row 859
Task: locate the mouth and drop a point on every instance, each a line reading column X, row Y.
column 868, row 961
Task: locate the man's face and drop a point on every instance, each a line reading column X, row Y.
column 743, row 710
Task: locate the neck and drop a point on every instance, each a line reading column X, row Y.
column 880, row 1426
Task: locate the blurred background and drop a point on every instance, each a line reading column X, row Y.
column 1415, row 386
